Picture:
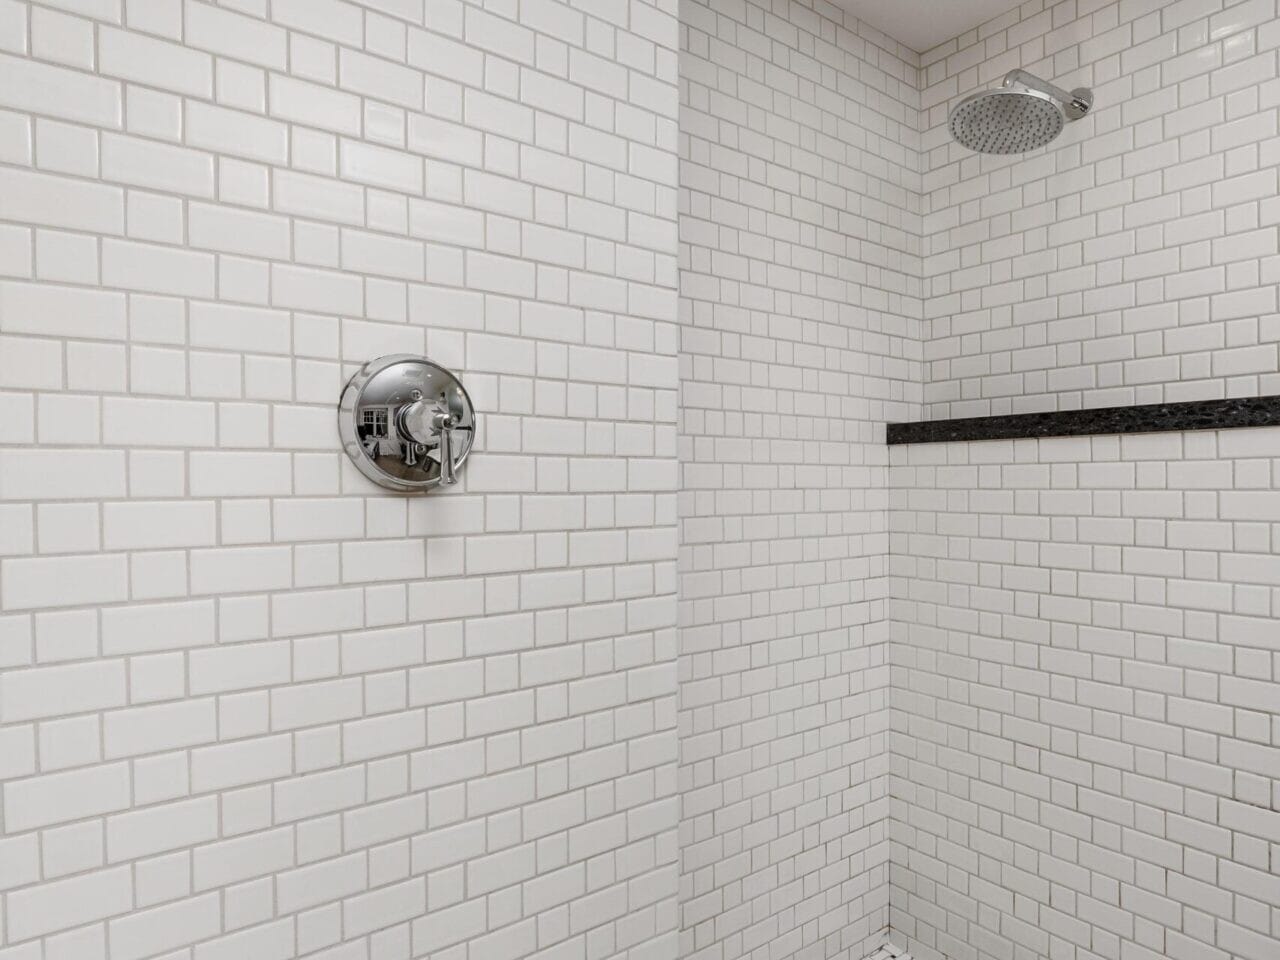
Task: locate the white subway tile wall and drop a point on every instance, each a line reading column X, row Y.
column 251, row 706
column 800, row 335
column 1133, row 260
column 1086, row 697
column 1086, row 679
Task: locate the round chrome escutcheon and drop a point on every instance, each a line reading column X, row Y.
column 406, row 423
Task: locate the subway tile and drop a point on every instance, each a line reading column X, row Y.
column 131, row 421
column 139, row 162
column 381, row 167
column 150, row 932
column 318, row 197
column 72, row 688
column 308, row 103
column 333, row 19
column 237, row 569
column 378, row 78
column 62, row 581
column 230, row 34
column 236, row 132
column 212, row 227
column 153, row 729
column 166, row 827
column 60, row 797
column 57, row 201
column 60, row 92
column 70, row 903
column 157, row 63
column 133, row 526
column 149, row 268
column 238, row 327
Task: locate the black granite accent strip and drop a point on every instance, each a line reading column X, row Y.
column 1148, row 418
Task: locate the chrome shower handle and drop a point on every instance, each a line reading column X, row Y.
column 444, row 424
column 421, row 423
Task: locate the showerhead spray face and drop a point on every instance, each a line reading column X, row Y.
column 1024, row 114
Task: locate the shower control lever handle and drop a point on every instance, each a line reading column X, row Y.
column 421, row 424
column 444, row 423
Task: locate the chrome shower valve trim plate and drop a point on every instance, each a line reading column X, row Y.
column 406, row 423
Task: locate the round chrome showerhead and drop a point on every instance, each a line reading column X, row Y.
column 1006, row 121
column 1024, row 114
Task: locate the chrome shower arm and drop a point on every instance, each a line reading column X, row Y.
column 1075, row 104
column 1035, row 83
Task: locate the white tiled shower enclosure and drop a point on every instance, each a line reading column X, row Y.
column 996, row 701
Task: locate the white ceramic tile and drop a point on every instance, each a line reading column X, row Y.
column 450, row 727
column 195, row 583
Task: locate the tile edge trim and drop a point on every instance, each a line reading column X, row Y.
column 1145, row 418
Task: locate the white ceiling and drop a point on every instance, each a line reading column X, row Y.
column 923, row 24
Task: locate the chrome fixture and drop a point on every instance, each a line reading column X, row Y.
column 1022, row 114
column 406, row 423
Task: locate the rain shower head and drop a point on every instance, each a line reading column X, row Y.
column 1023, row 114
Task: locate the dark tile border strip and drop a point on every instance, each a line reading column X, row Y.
column 1149, row 418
